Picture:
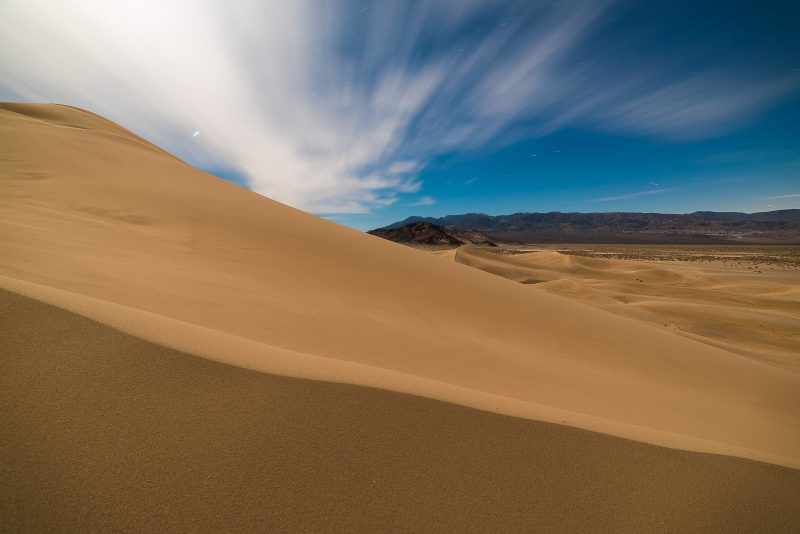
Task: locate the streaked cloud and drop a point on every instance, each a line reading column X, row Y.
column 636, row 194
column 424, row 201
column 696, row 108
column 779, row 197
column 335, row 107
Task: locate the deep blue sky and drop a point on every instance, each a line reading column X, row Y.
column 736, row 167
column 586, row 171
column 367, row 112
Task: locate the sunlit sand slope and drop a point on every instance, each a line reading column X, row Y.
column 92, row 211
column 749, row 313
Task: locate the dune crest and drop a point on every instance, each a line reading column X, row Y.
column 89, row 210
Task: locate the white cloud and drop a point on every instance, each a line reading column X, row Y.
column 779, row 197
column 337, row 108
column 424, row 201
column 695, row 108
column 403, row 167
column 636, row 194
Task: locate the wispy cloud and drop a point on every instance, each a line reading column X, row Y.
column 472, row 180
column 403, row 167
column 696, row 108
column 636, row 194
column 424, row 201
column 779, row 197
column 336, row 107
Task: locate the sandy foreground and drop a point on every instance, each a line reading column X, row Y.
column 109, row 432
column 122, row 265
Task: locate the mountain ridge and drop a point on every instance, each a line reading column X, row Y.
column 701, row 227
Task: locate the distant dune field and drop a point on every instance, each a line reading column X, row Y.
column 752, row 310
column 127, row 270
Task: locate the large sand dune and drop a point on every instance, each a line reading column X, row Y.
column 107, row 432
column 102, row 223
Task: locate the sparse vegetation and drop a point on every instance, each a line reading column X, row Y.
column 753, row 257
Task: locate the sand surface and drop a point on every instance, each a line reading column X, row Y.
column 87, row 208
column 112, row 433
column 749, row 307
column 96, row 221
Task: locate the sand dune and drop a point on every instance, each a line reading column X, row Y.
column 88, row 210
column 99, row 222
column 108, row 432
column 749, row 314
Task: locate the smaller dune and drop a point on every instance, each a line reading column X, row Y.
column 731, row 310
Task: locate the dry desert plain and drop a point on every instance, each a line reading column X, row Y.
column 181, row 354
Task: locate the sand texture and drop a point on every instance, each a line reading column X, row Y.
column 112, row 433
column 105, row 226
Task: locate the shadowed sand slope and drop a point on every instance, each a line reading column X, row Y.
column 89, row 209
column 112, row 433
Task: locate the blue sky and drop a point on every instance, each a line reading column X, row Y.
column 368, row 112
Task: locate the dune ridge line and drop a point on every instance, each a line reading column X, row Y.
column 232, row 350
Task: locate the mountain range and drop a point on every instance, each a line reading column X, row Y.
column 701, row 227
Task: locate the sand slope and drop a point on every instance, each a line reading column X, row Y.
column 111, row 433
column 89, row 209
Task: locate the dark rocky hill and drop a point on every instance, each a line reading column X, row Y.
column 427, row 234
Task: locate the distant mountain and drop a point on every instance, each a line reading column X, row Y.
column 781, row 226
column 428, row 234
